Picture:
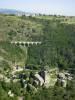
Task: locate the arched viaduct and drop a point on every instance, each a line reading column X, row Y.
column 25, row 43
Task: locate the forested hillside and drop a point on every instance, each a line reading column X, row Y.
column 57, row 49
column 58, row 46
column 57, row 34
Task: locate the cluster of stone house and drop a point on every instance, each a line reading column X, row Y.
column 43, row 78
column 62, row 78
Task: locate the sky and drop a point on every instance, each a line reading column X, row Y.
column 59, row 7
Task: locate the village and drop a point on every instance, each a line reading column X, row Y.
column 32, row 80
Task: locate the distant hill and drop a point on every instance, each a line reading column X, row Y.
column 15, row 12
column 11, row 11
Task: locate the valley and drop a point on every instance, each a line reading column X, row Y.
column 37, row 57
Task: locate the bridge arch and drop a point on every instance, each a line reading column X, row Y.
column 23, row 43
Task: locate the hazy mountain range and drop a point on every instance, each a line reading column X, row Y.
column 11, row 11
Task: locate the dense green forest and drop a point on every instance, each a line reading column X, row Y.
column 52, row 93
column 58, row 46
column 57, row 34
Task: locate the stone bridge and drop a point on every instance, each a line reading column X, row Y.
column 25, row 43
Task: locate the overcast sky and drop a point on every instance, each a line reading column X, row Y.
column 62, row 7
